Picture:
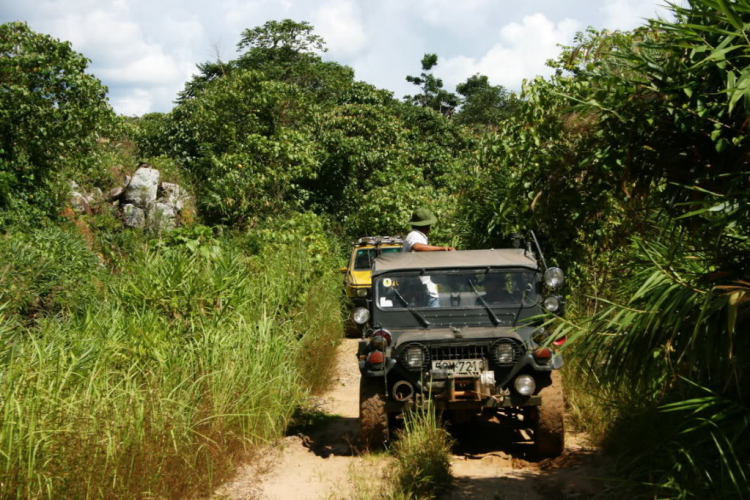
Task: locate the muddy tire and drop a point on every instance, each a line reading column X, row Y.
column 373, row 419
column 549, row 425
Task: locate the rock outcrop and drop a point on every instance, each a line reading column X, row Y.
column 143, row 201
column 133, row 216
column 142, row 189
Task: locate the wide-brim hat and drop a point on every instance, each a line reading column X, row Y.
column 422, row 217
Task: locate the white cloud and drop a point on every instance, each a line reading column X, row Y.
column 135, row 102
column 627, row 14
column 451, row 13
column 243, row 14
column 338, row 23
column 144, row 64
column 152, row 67
column 145, row 50
column 521, row 53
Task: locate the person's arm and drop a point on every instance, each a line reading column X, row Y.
column 421, row 247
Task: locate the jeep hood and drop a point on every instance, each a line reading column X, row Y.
column 360, row 278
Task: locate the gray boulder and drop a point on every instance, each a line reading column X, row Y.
column 142, row 189
column 162, row 217
column 133, row 216
column 174, row 195
column 79, row 201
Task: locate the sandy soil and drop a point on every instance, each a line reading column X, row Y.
column 489, row 460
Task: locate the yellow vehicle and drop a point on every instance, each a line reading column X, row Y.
column 358, row 281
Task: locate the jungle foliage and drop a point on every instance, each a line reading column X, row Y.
column 279, row 129
column 632, row 163
column 138, row 369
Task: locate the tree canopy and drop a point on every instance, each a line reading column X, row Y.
column 51, row 112
column 483, row 103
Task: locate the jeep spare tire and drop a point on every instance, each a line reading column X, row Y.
column 373, row 419
column 549, row 424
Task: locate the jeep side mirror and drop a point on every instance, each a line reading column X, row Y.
column 343, row 270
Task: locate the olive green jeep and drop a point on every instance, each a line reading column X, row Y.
column 464, row 329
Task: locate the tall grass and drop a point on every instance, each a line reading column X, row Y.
column 419, row 468
column 423, row 453
column 179, row 365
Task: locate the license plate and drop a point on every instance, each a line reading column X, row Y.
column 461, row 367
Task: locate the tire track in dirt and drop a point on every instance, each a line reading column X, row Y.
column 490, row 461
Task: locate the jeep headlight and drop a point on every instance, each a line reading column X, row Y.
column 552, row 303
column 414, row 357
column 554, row 278
column 525, row 385
column 360, row 315
column 361, row 292
column 504, row 353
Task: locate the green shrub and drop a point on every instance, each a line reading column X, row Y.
column 423, row 454
column 46, row 271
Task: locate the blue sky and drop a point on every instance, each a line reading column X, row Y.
column 144, row 50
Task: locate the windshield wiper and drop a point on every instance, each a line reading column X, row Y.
column 494, row 319
column 421, row 319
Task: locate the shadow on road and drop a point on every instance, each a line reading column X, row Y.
column 493, row 461
column 479, row 437
column 326, row 435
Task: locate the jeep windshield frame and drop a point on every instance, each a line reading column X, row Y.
column 488, row 297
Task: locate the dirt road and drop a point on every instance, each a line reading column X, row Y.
column 489, row 461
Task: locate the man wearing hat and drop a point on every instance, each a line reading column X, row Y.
column 416, row 241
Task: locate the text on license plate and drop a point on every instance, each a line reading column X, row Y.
column 461, row 367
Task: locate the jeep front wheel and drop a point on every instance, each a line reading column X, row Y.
column 373, row 419
column 549, row 425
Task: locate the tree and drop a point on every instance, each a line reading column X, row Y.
column 286, row 51
column 483, row 103
column 51, row 111
column 287, row 37
column 432, row 93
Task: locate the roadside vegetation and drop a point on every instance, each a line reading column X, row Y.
column 632, row 164
column 420, row 465
column 173, row 362
column 143, row 365
column 423, row 453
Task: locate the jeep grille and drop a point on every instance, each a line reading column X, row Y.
column 451, row 352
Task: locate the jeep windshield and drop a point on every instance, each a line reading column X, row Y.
column 364, row 256
column 464, row 289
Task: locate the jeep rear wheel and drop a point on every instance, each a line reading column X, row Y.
column 373, row 419
column 549, row 425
